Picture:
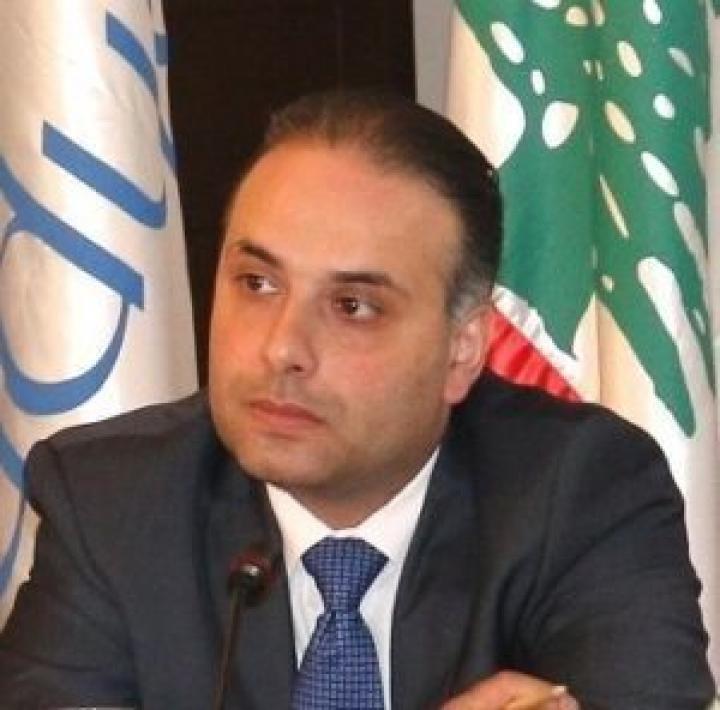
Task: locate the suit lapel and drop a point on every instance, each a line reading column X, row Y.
column 438, row 589
column 239, row 516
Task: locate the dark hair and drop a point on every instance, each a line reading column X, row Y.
column 401, row 135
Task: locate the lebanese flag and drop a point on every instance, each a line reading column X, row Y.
column 597, row 116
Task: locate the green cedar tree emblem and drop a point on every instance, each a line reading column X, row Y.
column 625, row 186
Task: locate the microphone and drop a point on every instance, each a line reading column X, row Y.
column 250, row 577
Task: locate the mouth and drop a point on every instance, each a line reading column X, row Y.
column 283, row 415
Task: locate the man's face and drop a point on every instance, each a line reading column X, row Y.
column 333, row 361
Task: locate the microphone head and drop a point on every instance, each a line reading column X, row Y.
column 252, row 571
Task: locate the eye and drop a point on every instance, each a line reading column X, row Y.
column 356, row 308
column 257, row 283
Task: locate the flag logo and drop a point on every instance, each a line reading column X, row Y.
column 597, row 114
column 608, row 148
column 94, row 300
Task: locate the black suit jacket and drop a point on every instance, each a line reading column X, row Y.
column 551, row 541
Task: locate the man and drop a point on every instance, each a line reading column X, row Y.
column 520, row 546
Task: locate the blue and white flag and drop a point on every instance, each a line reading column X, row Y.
column 95, row 311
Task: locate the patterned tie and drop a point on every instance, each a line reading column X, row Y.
column 340, row 669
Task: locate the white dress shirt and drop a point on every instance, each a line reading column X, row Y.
column 389, row 529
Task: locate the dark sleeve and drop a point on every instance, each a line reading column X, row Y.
column 65, row 642
column 615, row 610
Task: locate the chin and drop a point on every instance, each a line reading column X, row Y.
column 284, row 471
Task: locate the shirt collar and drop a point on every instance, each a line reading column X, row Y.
column 389, row 528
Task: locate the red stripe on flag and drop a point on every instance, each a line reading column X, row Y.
column 513, row 356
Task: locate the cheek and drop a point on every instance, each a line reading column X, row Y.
column 229, row 357
column 233, row 333
column 392, row 382
column 220, row 322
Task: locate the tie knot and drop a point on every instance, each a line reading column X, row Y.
column 343, row 569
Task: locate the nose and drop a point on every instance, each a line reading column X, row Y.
column 289, row 346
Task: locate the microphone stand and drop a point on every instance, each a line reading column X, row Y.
column 251, row 574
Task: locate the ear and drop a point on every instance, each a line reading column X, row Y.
column 468, row 353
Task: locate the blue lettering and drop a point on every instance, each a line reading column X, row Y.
column 8, row 561
column 12, row 464
column 33, row 396
column 32, row 217
column 126, row 44
column 10, row 461
column 161, row 49
column 103, row 178
column 168, row 147
column 38, row 397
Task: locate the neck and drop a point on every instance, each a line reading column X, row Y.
column 346, row 509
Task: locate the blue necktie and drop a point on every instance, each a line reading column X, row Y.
column 340, row 669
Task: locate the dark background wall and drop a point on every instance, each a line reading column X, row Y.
column 232, row 62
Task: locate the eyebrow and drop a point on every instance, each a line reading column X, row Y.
column 251, row 249
column 372, row 278
column 358, row 276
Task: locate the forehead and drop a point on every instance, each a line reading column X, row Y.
column 304, row 194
